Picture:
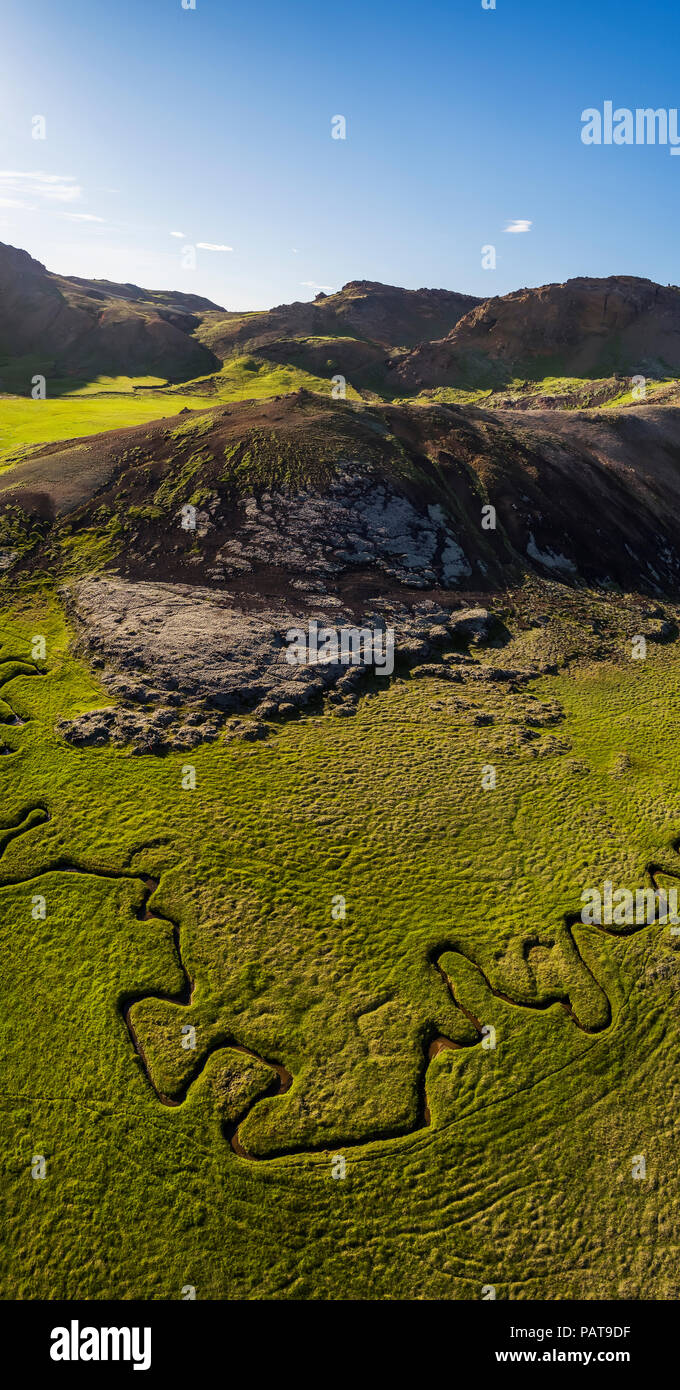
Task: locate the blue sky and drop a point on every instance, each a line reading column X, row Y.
column 216, row 123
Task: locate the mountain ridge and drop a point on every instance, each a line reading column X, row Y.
column 384, row 339
column 594, row 326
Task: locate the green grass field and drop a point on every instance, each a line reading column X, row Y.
column 25, row 423
column 536, row 1135
column 110, row 403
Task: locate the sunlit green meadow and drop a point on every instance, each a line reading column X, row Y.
column 386, row 810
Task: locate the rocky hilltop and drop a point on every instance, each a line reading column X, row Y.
column 301, row 493
column 365, row 309
column 187, row 548
column 582, row 328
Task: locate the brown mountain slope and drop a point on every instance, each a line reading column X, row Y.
column 582, row 328
column 84, row 328
column 380, row 314
column 302, row 494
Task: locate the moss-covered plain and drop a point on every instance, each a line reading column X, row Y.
column 523, row 1177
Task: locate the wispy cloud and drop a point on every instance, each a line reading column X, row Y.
column 49, row 188
column 520, row 224
column 312, row 285
column 179, row 234
column 82, row 217
column 211, row 246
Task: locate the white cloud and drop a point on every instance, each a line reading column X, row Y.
column 179, row 234
column 519, row 225
column 82, row 217
column 211, row 246
column 312, row 285
column 16, row 203
column 51, row 188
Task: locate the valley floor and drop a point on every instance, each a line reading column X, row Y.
column 345, row 893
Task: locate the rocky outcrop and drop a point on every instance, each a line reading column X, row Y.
column 582, row 328
column 182, row 661
column 302, row 499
